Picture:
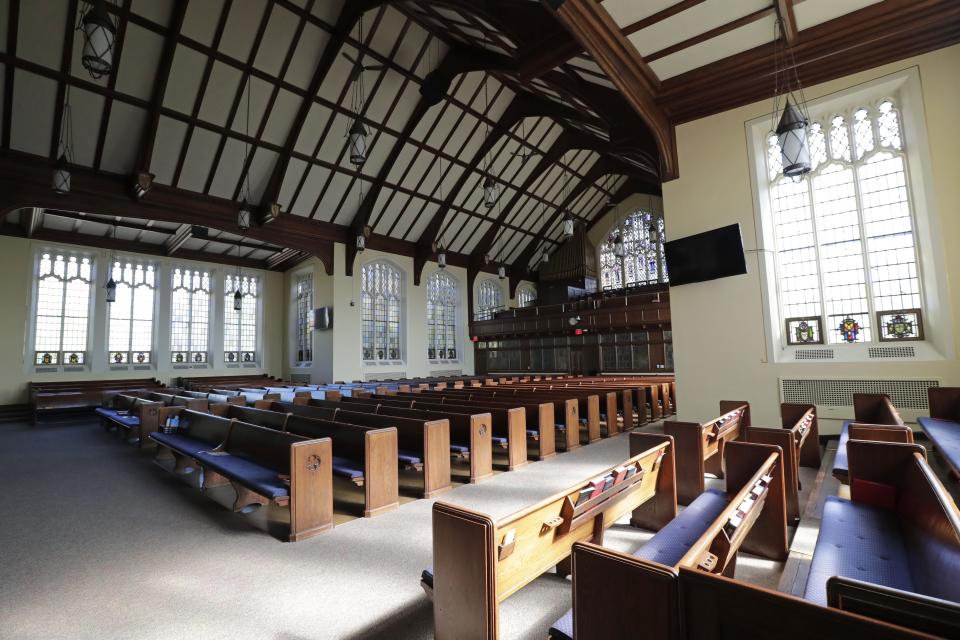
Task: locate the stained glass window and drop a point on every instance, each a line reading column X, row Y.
column 844, row 232
column 240, row 327
column 380, row 300
column 305, row 317
column 526, row 296
column 63, row 308
column 489, row 299
column 642, row 234
column 442, row 297
column 189, row 316
column 130, row 333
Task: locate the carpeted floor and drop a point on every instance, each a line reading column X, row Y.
column 98, row 542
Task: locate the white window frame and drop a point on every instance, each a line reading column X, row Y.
column 29, row 359
column 457, row 323
column 222, row 319
column 386, row 362
column 299, row 276
column 211, row 317
column 158, row 275
column 905, row 89
column 485, row 312
column 529, row 289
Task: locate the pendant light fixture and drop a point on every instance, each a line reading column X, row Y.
column 99, row 35
column 111, row 286
column 652, row 231
column 61, row 170
column 791, row 129
column 244, row 215
column 237, row 294
column 545, row 255
column 357, row 134
column 619, row 249
column 490, row 187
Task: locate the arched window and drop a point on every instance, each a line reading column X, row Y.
column 489, row 299
column 63, row 307
column 240, row 327
column 189, row 316
column 305, row 317
column 642, row 236
column 844, row 233
column 526, row 296
column 130, row 334
column 442, row 297
column 380, row 299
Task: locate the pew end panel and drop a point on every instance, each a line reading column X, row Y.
column 436, row 457
column 481, row 447
column 547, row 430
column 609, row 585
column 944, row 403
column 572, row 422
column 880, row 433
column 917, row 612
column 516, row 438
column 785, row 439
column 689, row 452
column 655, row 513
column 593, row 419
column 875, row 408
column 311, row 488
column 746, row 463
column 381, row 484
column 793, row 413
column 610, row 404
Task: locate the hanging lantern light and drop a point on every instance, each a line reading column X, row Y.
column 358, row 143
column 568, row 226
column 653, row 233
column 361, row 242
column 237, row 298
column 243, row 216
column 619, row 249
column 99, row 34
column 545, row 257
column 501, row 272
column 792, row 136
column 442, row 259
column 142, row 183
column 111, row 287
column 489, row 192
column 61, row 176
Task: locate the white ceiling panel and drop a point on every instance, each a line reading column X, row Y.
column 413, row 230
column 123, row 135
column 313, row 127
column 220, row 93
column 291, row 179
column 187, row 70
column 4, row 11
column 241, row 28
column 158, row 11
column 87, row 107
column 402, row 112
column 810, row 13
column 311, row 191
column 282, row 115
column 138, row 65
column 166, row 149
column 44, row 20
column 308, row 52
column 692, row 22
column 276, row 40
column 328, row 10
column 34, row 99
column 259, row 95
column 200, row 21
column 196, row 164
column 261, row 167
column 228, row 170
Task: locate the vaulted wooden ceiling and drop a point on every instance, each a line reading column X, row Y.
column 571, row 111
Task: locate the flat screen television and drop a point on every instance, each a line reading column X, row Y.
column 706, row 256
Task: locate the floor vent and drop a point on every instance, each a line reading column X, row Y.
column 905, row 394
column 813, row 354
column 892, row 352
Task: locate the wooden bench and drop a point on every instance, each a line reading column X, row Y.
column 880, row 421
column 205, row 383
column 471, row 434
column 893, row 550
column 478, row 562
column 423, row 445
column 700, row 446
column 619, row 595
column 264, row 467
column 942, row 426
column 799, row 438
column 50, row 397
column 137, row 416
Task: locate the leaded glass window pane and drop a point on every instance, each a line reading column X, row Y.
column 189, row 316
column 130, row 332
column 305, row 317
column 63, row 309
column 442, row 298
column 489, row 299
column 240, row 327
column 380, row 301
column 527, row 296
column 643, row 260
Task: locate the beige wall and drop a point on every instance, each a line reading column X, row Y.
column 16, row 262
column 719, row 335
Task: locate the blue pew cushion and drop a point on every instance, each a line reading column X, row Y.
column 408, row 458
column 861, row 542
column 945, row 435
column 252, row 475
column 180, row 443
column 532, row 433
column 502, row 442
column 346, row 468
column 122, row 418
column 459, row 448
column 668, row 546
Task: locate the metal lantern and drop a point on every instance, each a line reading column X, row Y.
column 99, row 34
column 237, row 299
column 653, row 233
column 243, row 216
column 619, row 249
column 792, row 136
column 545, row 257
column 442, row 260
column 489, row 192
column 61, row 176
column 501, row 272
column 142, row 183
column 358, row 143
column 111, row 288
column 568, row 226
column 361, row 242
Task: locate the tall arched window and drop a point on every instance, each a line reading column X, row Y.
column 189, row 316
column 526, row 296
column 844, row 233
column 63, row 307
column 380, row 296
column 131, row 314
column 442, row 298
column 305, row 317
column 240, row 327
column 642, row 236
column 489, row 299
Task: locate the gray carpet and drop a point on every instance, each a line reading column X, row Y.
column 98, row 542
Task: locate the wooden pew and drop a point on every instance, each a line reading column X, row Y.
column 137, row 416
column 880, row 421
column 478, row 562
column 700, row 446
column 942, row 426
column 618, row 595
column 539, row 417
column 427, row 440
column 205, row 383
column 49, row 397
column 799, row 438
column 588, row 403
column 474, row 428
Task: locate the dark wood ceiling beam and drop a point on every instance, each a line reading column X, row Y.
column 712, row 33
column 31, row 219
column 177, row 239
column 660, row 16
column 593, row 27
column 785, row 12
column 149, row 136
column 13, row 15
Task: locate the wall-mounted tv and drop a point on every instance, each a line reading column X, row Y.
column 706, row 256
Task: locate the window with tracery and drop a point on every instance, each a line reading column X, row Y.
column 240, row 327
column 442, row 299
column 63, row 309
column 305, row 317
column 526, row 296
column 189, row 316
column 130, row 332
column 844, row 233
column 380, row 300
column 489, row 299
column 642, row 235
